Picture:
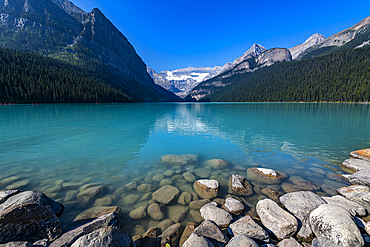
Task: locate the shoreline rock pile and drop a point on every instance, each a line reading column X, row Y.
column 297, row 218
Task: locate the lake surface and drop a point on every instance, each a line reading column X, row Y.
column 45, row 147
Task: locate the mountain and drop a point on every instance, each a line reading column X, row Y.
column 254, row 59
column 357, row 35
column 182, row 81
column 314, row 39
column 61, row 30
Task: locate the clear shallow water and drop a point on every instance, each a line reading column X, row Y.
column 47, row 145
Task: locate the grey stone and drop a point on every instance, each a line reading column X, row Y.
column 90, row 194
column 202, row 172
column 184, row 198
column 158, row 177
column 356, row 164
column 233, row 206
column 28, row 221
column 352, row 207
column 32, row 197
column 166, row 194
column 41, row 243
column 267, row 176
column 290, row 242
column 107, row 237
column 196, row 205
column 321, row 242
column 242, row 240
column 289, row 188
column 130, row 199
column 189, row 229
column 189, row 177
column 177, row 213
column 165, row 182
column 71, row 195
column 164, row 224
column 181, row 160
column 171, row 235
column 238, row 185
column 196, row 215
column 72, row 235
column 217, row 163
column 131, row 186
column 246, row 225
column 207, row 189
column 211, row 212
column 105, row 201
column 17, row 244
column 195, row 240
column 155, row 211
column 301, row 204
column 357, row 193
column 275, row 219
column 96, row 212
column 336, row 225
column 145, row 188
column 168, row 173
column 210, row 230
column 138, row 213
column 303, row 183
column 4, row 195
column 361, row 177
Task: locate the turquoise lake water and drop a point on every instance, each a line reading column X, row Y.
column 114, row 144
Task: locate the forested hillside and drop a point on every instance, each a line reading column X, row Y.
column 28, row 78
column 342, row 76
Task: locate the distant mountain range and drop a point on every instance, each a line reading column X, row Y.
column 59, row 29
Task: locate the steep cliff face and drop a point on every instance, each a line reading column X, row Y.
column 59, row 29
column 250, row 63
column 314, row 39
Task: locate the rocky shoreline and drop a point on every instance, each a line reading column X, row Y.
column 297, row 218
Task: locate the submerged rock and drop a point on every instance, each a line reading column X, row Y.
column 178, row 213
column 202, row 172
column 181, row 160
column 267, row 176
column 356, row 164
column 189, row 177
column 189, row 229
column 138, row 213
column 239, row 186
column 246, row 225
column 130, row 199
column 363, row 154
column 89, row 194
column 184, row 198
column 196, row 205
column 221, row 217
column 275, row 219
column 145, row 188
column 335, row 224
column 171, row 235
column 207, row 189
column 289, row 188
column 155, row 211
column 166, row 194
column 96, row 212
column 217, row 163
column 303, row 183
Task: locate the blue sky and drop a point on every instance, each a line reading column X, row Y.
column 173, row 34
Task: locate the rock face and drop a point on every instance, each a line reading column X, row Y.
column 207, row 189
column 267, row 176
column 166, row 194
column 181, row 160
column 110, row 237
column 335, row 224
column 356, row 164
column 357, row 193
column 246, row 225
column 312, row 40
column 275, row 219
column 363, row 154
column 221, row 217
column 301, row 204
column 360, row 177
column 238, row 185
column 352, row 207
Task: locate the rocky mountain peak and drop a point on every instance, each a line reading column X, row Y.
column 70, row 8
column 254, row 51
column 314, row 39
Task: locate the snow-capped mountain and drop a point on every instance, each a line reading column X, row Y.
column 182, row 81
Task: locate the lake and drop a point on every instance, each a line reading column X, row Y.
column 58, row 148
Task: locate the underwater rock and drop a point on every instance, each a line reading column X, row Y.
column 130, row 199
column 158, row 177
column 165, row 182
column 267, row 176
column 155, row 211
column 238, row 185
column 207, row 189
column 217, row 163
column 289, row 188
column 189, row 177
column 171, row 235
column 177, row 213
column 96, row 212
column 166, row 194
column 189, row 229
column 145, row 188
column 299, row 181
column 105, row 201
column 138, row 213
column 184, row 198
column 181, row 160
column 168, row 173
column 202, row 172
column 91, row 193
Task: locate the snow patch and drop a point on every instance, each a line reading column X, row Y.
column 363, row 44
column 267, row 171
column 213, row 184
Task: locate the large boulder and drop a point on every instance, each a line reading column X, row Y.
column 32, row 197
column 363, row 154
column 207, row 189
column 72, row 235
column 181, row 160
column 267, row 176
column 301, row 204
column 276, row 220
column 166, row 194
column 217, row 163
column 361, row 177
column 212, row 232
column 221, row 217
column 246, row 225
column 355, row 164
column 239, row 186
column 352, row 207
column 233, row 206
column 335, row 224
column 108, row 237
column 357, row 193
